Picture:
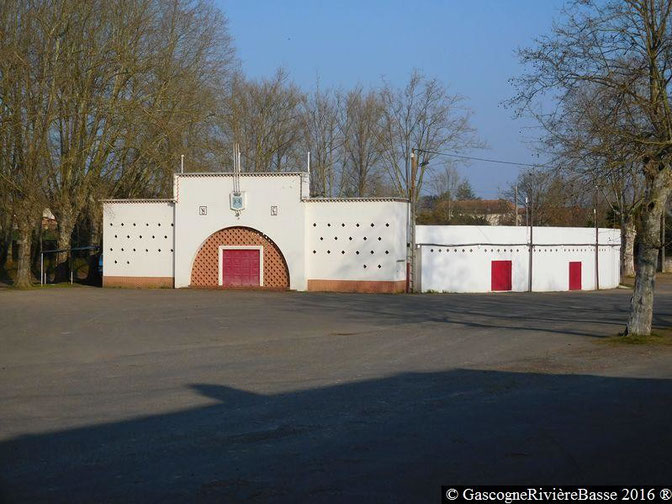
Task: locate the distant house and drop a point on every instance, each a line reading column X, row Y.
column 49, row 222
column 496, row 212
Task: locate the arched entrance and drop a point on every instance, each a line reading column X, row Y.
column 227, row 259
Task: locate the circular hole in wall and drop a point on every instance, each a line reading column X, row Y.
column 314, row 251
column 387, row 224
column 365, row 238
column 372, row 224
column 115, row 261
column 379, row 266
column 328, row 225
column 342, row 224
column 314, row 224
column 122, row 223
column 342, row 251
column 355, row 252
column 328, row 251
column 372, row 251
column 110, row 250
column 355, row 224
column 350, row 238
column 335, row 237
column 122, row 249
column 115, row 236
column 128, row 262
column 321, row 237
column 134, row 224
column 387, row 251
column 379, row 238
column 364, row 266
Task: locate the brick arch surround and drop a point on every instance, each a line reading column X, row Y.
column 205, row 270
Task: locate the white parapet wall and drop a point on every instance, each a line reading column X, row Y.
column 490, row 258
column 356, row 244
column 138, row 243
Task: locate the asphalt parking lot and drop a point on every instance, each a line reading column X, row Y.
column 112, row 395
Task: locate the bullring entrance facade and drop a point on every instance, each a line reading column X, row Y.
column 255, row 230
column 264, row 231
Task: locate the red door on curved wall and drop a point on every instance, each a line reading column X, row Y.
column 240, row 268
column 575, row 275
column 500, row 276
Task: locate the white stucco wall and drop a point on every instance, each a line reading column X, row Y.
column 466, row 265
column 286, row 229
column 138, row 238
column 356, row 240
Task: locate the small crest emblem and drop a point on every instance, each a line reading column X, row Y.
column 237, row 201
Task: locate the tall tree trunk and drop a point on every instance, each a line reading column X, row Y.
column 628, row 234
column 24, row 276
column 641, row 309
column 66, row 223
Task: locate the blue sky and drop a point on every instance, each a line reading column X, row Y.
column 468, row 44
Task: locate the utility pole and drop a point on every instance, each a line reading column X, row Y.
column 410, row 183
column 597, row 246
column 529, row 278
column 516, row 202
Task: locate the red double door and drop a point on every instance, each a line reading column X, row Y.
column 240, row 268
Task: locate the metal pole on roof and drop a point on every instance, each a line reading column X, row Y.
column 182, row 163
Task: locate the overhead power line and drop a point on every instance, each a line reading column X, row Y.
column 485, row 160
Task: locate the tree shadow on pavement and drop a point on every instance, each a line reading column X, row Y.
column 392, row 439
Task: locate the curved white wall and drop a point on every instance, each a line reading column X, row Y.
column 459, row 258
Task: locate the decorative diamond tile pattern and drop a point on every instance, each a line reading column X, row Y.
column 206, row 265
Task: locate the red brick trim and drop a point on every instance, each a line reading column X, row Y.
column 205, row 269
column 370, row 286
column 138, row 282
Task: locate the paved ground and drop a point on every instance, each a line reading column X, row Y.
column 147, row 396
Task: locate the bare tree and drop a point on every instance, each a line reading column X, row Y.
column 30, row 52
column 323, row 139
column 623, row 50
column 424, row 116
column 584, row 151
column 362, row 135
column 264, row 117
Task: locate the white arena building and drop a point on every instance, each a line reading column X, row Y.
column 263, row 231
